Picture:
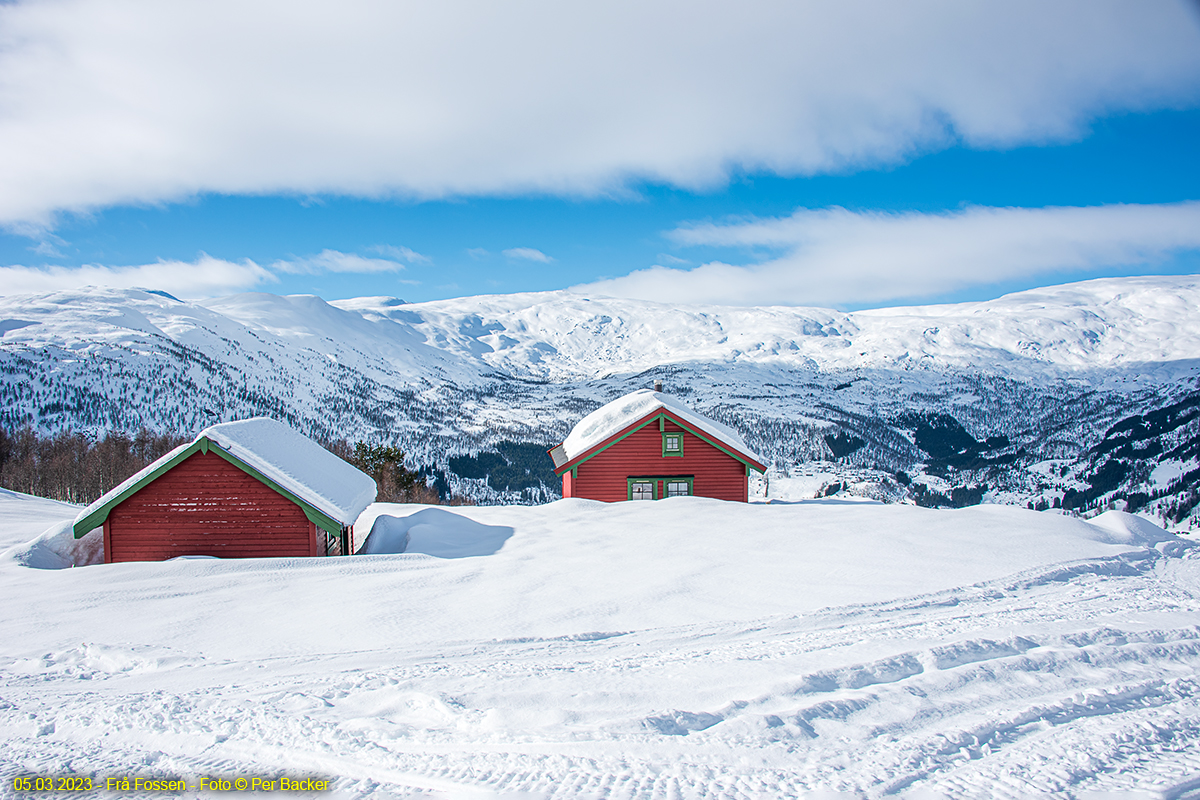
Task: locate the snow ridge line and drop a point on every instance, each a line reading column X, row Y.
column 981, row 657
column 1129, row 564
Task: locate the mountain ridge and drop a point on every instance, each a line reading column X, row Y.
column 866, row 394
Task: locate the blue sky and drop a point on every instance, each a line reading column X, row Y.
column 924, row 175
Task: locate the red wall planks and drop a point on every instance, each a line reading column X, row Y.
column 207, row 506
column 604, row 476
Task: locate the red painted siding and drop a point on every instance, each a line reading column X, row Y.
column 207, row 506
column 603, row 476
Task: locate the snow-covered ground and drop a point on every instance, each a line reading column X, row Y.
column 683, row 648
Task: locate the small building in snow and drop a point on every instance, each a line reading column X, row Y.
column 649, row 445
column 247, row 489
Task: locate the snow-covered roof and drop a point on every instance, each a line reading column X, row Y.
column 624, row 411
column 290, row 459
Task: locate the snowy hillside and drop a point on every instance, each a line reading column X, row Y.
column 1012, row 399
column 687, row 648
column 1101, row 324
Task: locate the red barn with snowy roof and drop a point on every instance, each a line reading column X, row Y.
column 649, row 445
column 244, row 489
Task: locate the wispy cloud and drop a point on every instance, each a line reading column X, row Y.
column 48, row 247
column 667, row 258
column 110, row 102
column 405, row 254
column 834, row 257
column 204, row 277
column 527, row 254
column 336, row 261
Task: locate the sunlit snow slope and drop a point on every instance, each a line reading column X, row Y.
column 1126, row 322
column 687, row 648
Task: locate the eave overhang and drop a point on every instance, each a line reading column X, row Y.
column 203, row 445
column 654, row 416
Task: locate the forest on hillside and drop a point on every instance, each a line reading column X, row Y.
column 73, row 467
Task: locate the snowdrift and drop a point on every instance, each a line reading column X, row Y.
column 682, row 648
column 577, row 566
column 434, row 532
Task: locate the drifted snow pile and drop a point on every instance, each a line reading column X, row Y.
column 685, row 647
column 433, row 532
column 57, row 548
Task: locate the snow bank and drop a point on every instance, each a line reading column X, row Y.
column 388, row 536
column 570, row 568
column 24, row 516
column 1128, row 528
column 682, row 648
column 434, row 532
column 624, row 411
column 57, row 548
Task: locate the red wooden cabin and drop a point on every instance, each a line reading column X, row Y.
column 648, row 445
column 247, row 489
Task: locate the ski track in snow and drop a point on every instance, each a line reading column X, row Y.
column 1073, row 680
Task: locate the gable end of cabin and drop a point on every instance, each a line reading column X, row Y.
column 656, row 457
column 203, row 501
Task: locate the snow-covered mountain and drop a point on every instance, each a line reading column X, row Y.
column 1113, row 323
column 1085, row 393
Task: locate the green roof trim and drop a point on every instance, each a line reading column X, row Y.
column 715, row 443
column 574, row 464
column 203, row 445
column 659, row 416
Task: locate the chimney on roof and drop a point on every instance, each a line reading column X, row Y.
column 658, row 386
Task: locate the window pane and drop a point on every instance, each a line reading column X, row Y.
column 641, row 491
column 677, row 489
column 673, row 443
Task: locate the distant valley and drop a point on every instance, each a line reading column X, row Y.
column 1082, row 396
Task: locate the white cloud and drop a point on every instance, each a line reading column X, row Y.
column 335, row 261
column 527, row 254
column 400, row 253
column 204, row 277
column 49, row 247
column 836, row 257
column 118, row 101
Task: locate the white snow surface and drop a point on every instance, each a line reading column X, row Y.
column 624, row 411
column 685, row 648
column 432, row 531
column 291, row 459
column 1107, row 323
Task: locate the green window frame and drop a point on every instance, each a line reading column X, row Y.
column 647, row 487
column 638, row 483
column 672, row 444
column 673, row 484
